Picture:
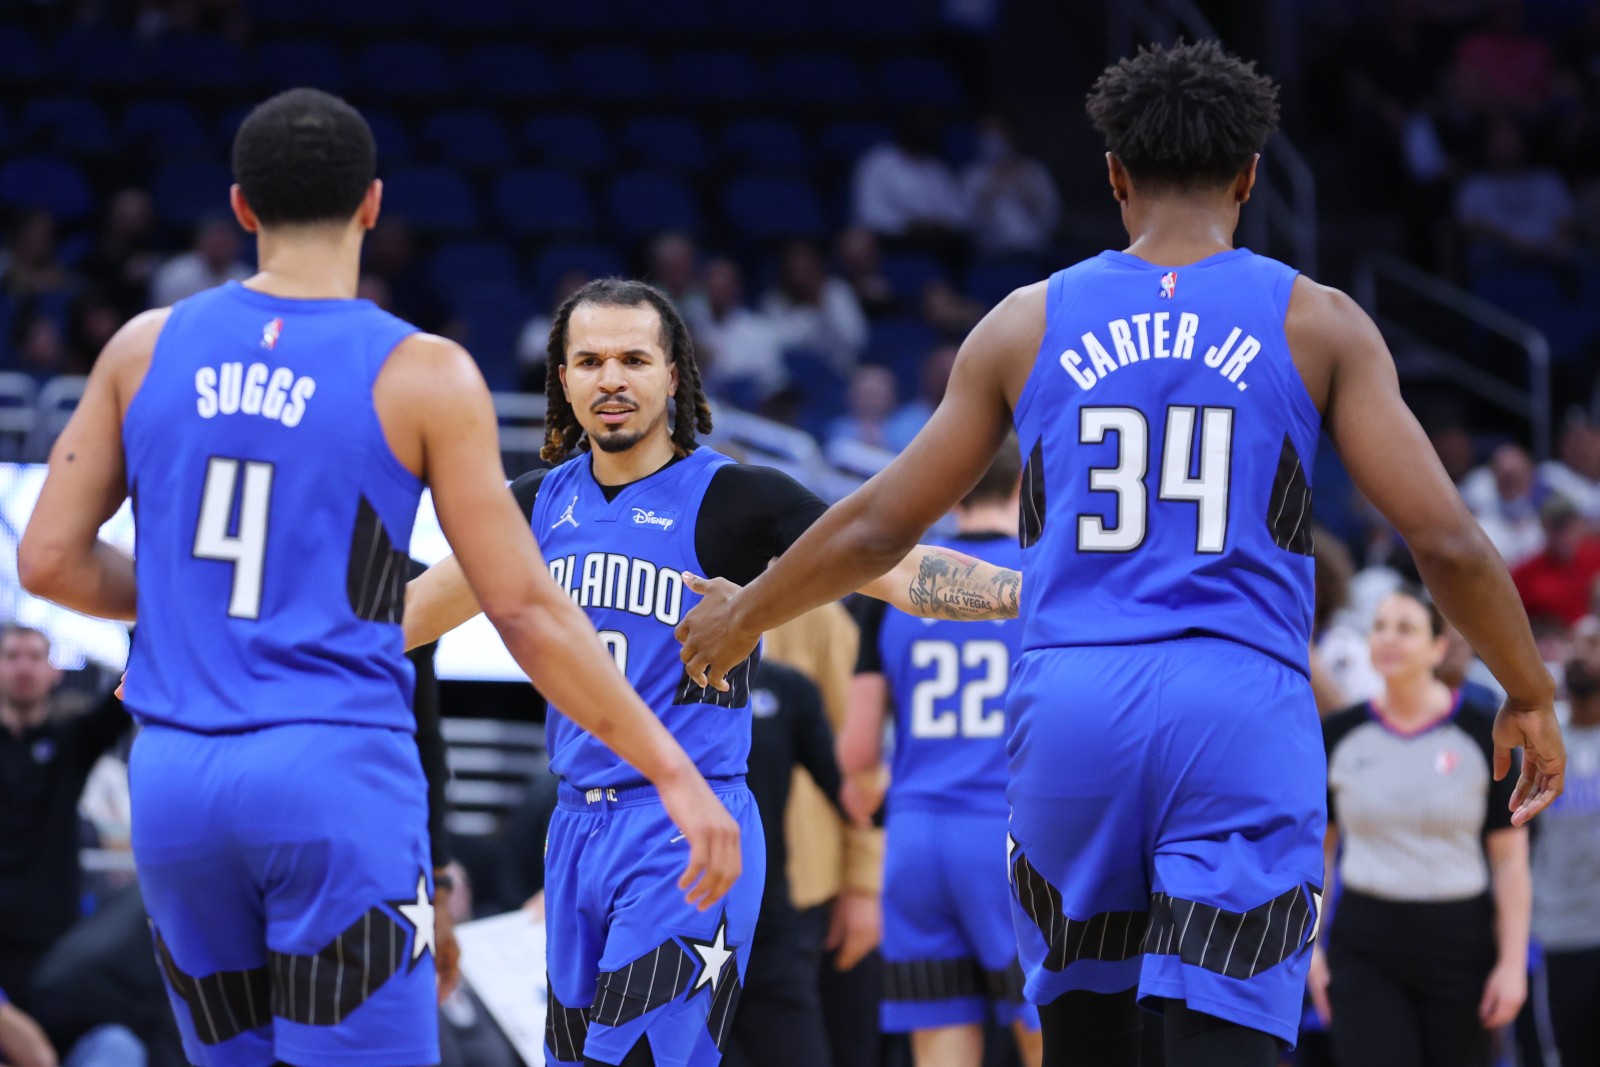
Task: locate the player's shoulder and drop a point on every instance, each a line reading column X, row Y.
column 126, row 357
column 526, row 489
column 1325, row 314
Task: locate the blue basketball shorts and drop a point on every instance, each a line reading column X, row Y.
column 288, row 879
column 629, row 958
column 949, row 952
column 1168, row 803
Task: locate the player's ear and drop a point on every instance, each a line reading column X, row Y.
column 371, row 204
column 1246, row 181
column 1117, row 174
column 672, row 377
column 241, row 210
column 561, row 371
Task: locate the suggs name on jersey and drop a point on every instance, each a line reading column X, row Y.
column 622, row 583
column 234, row 389
column 1138, row 338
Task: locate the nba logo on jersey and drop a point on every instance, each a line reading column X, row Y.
column 1169, row 284
column 1445, row 761
column 270, row 333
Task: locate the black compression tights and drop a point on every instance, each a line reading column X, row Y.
column 638, row 1056
column 1106, row 1030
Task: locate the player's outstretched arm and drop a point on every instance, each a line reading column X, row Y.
column 874, row 528
column 437, row 601
column 1371, row 427
column 440, row 399
column 934, row 582
column 61, row 557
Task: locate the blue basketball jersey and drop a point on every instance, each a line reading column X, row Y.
column 622, row 561
column 272, row 518
column 948, row 683
column 1169, row 443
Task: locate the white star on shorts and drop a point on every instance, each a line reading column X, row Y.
column 713, row 957
column 420, row 916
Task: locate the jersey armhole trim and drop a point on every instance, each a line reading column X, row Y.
column 387, row 460
column 1053, row 289
column 1305, row 409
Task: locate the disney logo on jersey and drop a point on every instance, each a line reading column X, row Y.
column 234, row 389
column 650, row 517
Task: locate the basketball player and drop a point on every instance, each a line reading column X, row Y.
column 1166, row 784
column 949, row 956
column 636, row 976
column 275, row 437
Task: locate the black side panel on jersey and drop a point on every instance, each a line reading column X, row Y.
column 1289, row 511
column 1031, row 523
column 376, row 578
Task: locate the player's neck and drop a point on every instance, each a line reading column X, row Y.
column 1413, row 700
column 1175, row 231
column 20, row 718
column 320, row 263
column 642, row 460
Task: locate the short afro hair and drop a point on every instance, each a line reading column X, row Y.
column 1186, row 117
column 304, row 157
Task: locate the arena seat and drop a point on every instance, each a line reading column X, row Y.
column 467, row 136
column 766, row 144
column 542, row 200
column 434, row 199
column 48, row 182
column 70, row 125
column 667, row 142
column 569, row 139
column 503, row 72
column 764, row 207
column 645, row 202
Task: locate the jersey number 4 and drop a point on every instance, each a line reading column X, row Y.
column 241, row 542
column 947, row 658
column 1208, row 491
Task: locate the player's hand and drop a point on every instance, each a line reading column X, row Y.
column 1544, row 757
column 22, row 1041
column 712, row 642
column 715, row 858
column 534, row 906
column 855, row 927
column 860, row 795
column 446, row 951
column 121, row 682
column 1317, row 983
column 1503, row 995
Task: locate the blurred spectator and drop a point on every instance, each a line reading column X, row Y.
column 780, row 1020
column 947, row 311
column 1566, row 865
column 44, row 761
column 860, row 260
column 373, row 288
column 533, row 343
column 1512, row 210
column 95, row 318
column 1556, row 582
column 914, row 414
column 738, row 348
column 1338, row 636
column 674, row 268
column 1504, row 68
column 29, row 265
column 389, row 253
column 1454, row 447
column 1012, row 207
column 213, row 260
column 870, row 402
column 903, row 189
column 124, row 257
column 41, row 350
column 815, row 312
column 1463, row 671
column 1504, row 496
column 468, row 1037
column 1576, row 473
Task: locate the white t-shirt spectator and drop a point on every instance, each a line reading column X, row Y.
column 187, row 274
column 1532, row 205
column 895, row 191
column 834, row 326
column 1012, row 206
column 743, row 345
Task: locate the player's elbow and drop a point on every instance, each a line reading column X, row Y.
column 41, row 565
column 1455, row 549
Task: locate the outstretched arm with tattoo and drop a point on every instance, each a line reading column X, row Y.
column 941, row 583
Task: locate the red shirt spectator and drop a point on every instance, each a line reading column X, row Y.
column 1557, row 581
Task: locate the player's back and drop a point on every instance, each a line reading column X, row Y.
column 948, row 681
column 272, row 518
column 1168, row 441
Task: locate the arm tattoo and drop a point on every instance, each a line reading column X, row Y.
column 949, row 585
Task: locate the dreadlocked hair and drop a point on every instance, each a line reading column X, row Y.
column 1185, row 117
column 562, row 432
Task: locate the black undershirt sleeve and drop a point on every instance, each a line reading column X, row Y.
column 869, row 613
column 751, row 515
column 526, row 490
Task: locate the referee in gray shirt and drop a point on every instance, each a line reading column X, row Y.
column 1428, row 952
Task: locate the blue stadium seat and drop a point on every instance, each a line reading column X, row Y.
column 412, row 70
column 480, row 16
column 168, row 128
column 959, row 145
column 184, row 193
column 48, row 182
column 989, row 281
column 773, row 21
column 436, row 199
column 909, row 272
column 288, row 14
column 726, row 76
column 845, row 141
column 826, row 78
column 672, row 143
column 21, row 56
column 879, row 18
column 900, row 343
column 919, row 80
column 494, row 316
column 765, row 206
column 586, row 19
column 598, row 259
column 395, row 144
column 767, row 145
column 468, row 136
column 381, row 15
column 462, row 265
column 101, row 59
column 507, row 72
column 72, row 125
column 286, row 63
column 646, row 202
column 683, row 18
column 200, row 61
column 543, row 200
column 569, row 140
column 613, row 73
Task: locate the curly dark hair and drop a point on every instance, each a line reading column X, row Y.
column 304, row 157
column 1184, row 117
column 562, row 432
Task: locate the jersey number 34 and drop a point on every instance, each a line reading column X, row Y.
column 1208, row 491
